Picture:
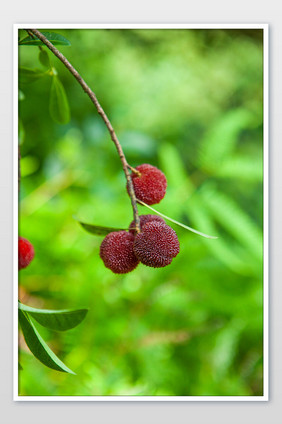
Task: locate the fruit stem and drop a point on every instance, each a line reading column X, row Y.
column 103, row 115
column 134, row 170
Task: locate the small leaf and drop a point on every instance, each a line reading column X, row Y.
column 56, row 320
column 59, row 106
column 38, row 347
column 21, row 132
column 176, row 222
column 20, row 368
column 44, row 59
column 98, row 230
column 56, row 39
column 27, row 75
column 21, row 95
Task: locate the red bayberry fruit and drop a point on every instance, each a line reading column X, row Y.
column 143, row 220
column 26, row 253
column 150, row 186
column 156, row 245
column 116, row 251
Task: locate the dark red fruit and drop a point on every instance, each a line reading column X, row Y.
column 156, row 245
column 116, row 251
column 150, row 186
column 26, row 253
column 143, row 220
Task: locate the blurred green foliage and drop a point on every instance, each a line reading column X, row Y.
column 189, row 102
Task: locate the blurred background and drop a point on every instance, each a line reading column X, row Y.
column 191, row 103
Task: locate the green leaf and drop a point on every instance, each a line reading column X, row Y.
column 59, row 106
column 98, row 230
column 234, row 219
column 56, row 39
column 20, row 368
column 221, row 248
column 178, row 223
column 21, row 95
column 27, row 75
column 56, row 320
column 21, row 132
column 242, row 168
column 44, row 59
column 38, row 347
column 221, row 139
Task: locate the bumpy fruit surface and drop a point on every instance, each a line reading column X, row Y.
column 156, row 245
column 143, row 220
column 116, row 251
column 26, row 253
column 150, row 186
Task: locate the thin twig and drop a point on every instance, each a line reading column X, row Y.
column 103, row 115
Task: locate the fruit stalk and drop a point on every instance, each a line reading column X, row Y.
column 103, row 115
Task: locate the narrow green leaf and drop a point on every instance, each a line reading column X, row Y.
column 59, row 106
column 234, row 259
column 20, row 368
column 44, row 59
column 221, row 139
column 242, row 168
column 38, row 347
column 21, row 132
column 56, row 320
column 176, row 222
column 234, row 219
column 98, row 230
column 27, row 75
column 56, row 39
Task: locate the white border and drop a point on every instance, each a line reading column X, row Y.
column 265, row 396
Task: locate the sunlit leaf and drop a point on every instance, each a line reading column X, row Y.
column 221, row 248
column 56, row 320
column 37, row 345
column 59, row 106
column 21, row 95
column 234, row 219
column 222, row 137
column 29, row 165
column 241, row 168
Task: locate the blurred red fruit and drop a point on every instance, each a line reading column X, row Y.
column 26, row 253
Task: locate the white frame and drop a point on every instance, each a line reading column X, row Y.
column 265, row 396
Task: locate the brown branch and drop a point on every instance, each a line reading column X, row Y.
column 103, row 115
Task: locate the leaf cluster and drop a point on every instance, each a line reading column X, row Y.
column 55, row 320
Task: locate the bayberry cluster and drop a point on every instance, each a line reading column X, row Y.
column 156, row 244
column 26, row 252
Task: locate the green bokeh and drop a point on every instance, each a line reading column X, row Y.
column 189, row 102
